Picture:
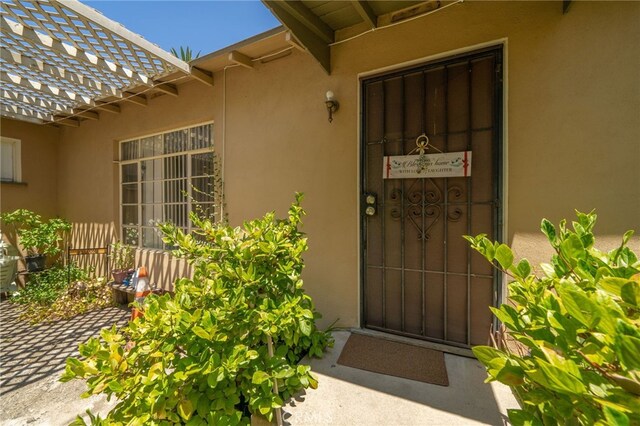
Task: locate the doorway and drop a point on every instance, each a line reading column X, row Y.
column 419, row 276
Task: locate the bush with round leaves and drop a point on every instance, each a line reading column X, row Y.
column 577, row 327
column 218, row 349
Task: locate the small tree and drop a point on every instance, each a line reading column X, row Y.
column 227, row 344
column 579, row 324
column 35, row 235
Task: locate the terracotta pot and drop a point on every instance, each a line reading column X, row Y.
column 119, row 275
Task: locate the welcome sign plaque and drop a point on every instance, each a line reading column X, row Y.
column 446, row 164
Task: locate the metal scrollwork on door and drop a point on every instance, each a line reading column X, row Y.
column 454, row 193
column 423, row 207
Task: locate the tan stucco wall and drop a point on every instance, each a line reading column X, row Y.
column 573, row 138
column 288, row 145
column 39, row 188
column 573, row 99
column 88, row 173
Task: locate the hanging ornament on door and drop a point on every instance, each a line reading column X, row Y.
column 422, row 144
column 423, row 165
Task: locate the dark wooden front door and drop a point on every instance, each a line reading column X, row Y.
column 420, row 278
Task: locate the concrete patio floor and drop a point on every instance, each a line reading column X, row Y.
column 349, row 396
column 32, row 359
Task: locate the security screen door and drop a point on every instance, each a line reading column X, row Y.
column 420, row 278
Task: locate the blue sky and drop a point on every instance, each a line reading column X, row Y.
column 205, row 25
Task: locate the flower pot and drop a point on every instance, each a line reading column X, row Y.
column 119, row 275
column 35, row 262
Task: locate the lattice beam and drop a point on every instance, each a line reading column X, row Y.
column 20, row 117
column 44, row 88
column 122, row 32
column 16, row 110
column 33, row 101
column 47, row 42
column 21, row 60
column 63, row 57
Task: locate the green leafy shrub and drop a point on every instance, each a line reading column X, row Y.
column 579, row 328
column 46, row 286
column 37, row 236
column 203, row 356
column 77, row 298
column 61, row 292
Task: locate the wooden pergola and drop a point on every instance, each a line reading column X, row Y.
column 62, row 62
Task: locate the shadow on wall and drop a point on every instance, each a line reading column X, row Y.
column 164, row 269
column 88, row 236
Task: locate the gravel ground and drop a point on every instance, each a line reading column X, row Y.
column 32, row 359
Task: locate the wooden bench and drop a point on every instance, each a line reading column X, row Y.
column 123, row 294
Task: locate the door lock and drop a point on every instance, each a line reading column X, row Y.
column 370, row 204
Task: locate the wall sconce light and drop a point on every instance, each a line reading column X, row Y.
column 332, row 105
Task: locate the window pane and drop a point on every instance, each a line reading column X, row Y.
column 130, row 235
column 166, row 181
column 151, row 146
column 201, row 137
column 129, row 150
column 202, row 164
column 130, row 172
column 151, row 214
column 177, row 141
column 6, row 155
column 150, row 238
column 151, row 169
column 130, row 193
column 175, row 167
column 129, row 215
column 175, row 190
column 152, row 192
column 176, row 214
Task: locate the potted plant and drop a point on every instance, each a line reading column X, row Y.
column 38, row 238
column 122, row 260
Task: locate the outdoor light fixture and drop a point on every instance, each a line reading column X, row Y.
column 332, row 104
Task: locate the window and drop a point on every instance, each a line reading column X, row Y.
column 10, row 170
column 164, row 177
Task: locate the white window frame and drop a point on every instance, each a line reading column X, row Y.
column 140, row 226
column 16, row 153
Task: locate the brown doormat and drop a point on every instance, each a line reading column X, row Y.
column 394, row 359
